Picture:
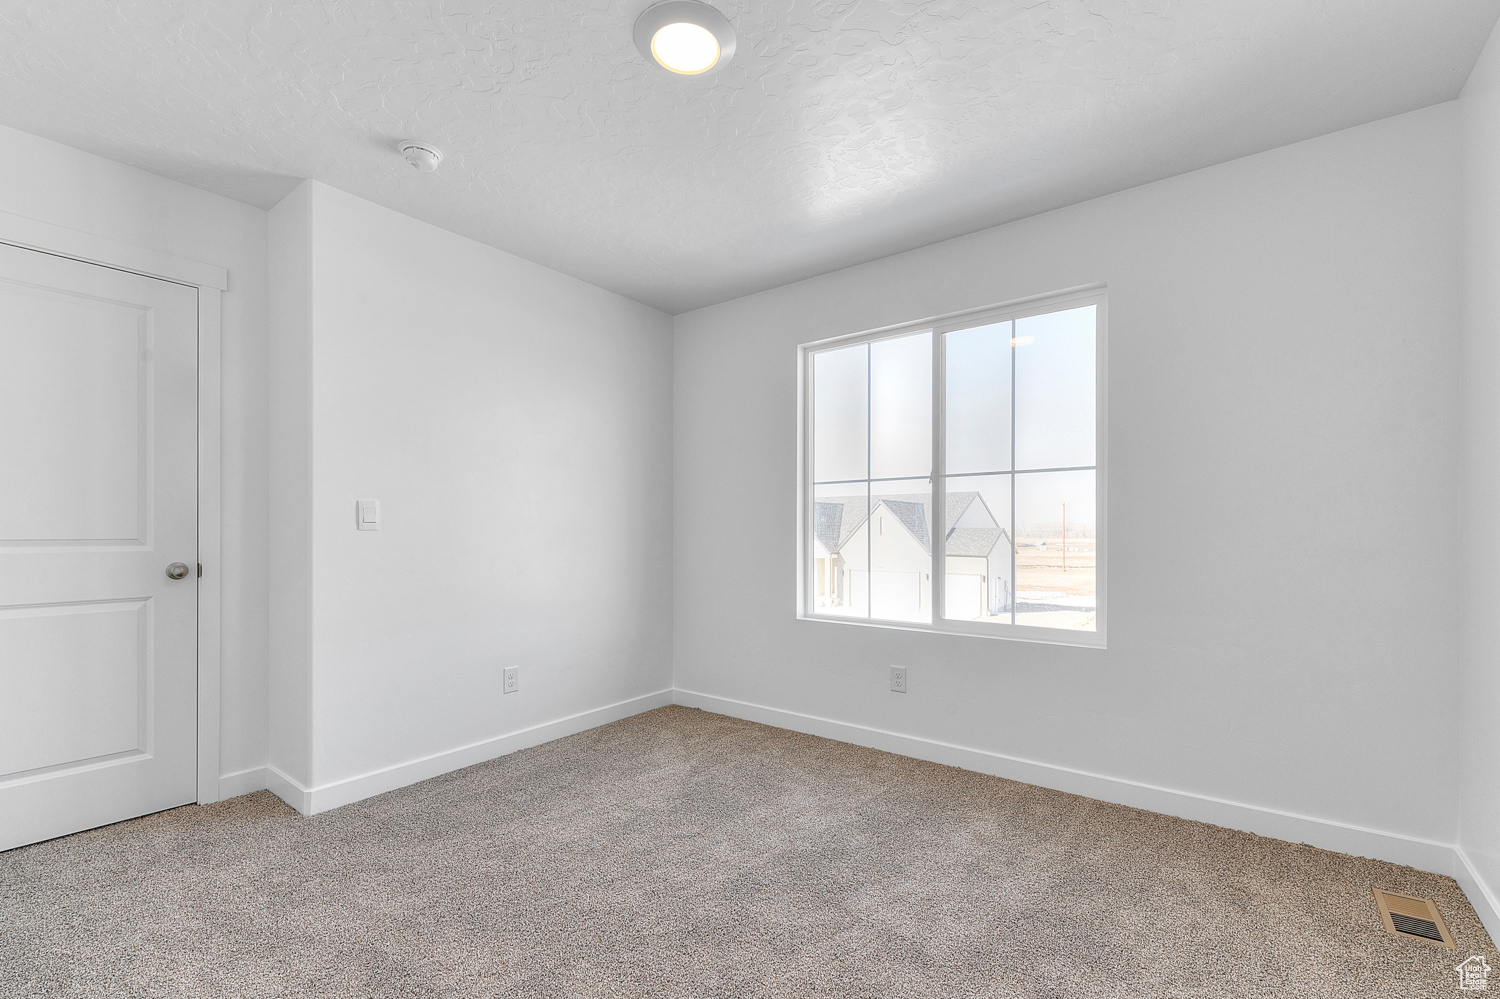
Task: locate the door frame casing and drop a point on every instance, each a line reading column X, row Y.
column 210, row 282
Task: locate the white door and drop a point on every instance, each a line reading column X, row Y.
column 98, row 497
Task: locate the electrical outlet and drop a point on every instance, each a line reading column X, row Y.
column 512, row 679
column 898, row 679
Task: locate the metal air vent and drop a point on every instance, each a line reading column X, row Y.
column 1407, row 916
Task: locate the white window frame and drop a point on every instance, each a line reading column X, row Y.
column 1040, row 305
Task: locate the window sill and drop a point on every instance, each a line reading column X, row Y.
column 1003, row 632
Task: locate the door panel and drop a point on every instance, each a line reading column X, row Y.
column 98, row 494
column 77, row 676
column 74, row 377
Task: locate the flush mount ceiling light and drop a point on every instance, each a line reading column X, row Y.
column 422, row 156
column 684, row 36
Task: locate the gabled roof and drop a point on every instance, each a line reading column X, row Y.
column 837, row 518
column 974, row 541
column 912, row 512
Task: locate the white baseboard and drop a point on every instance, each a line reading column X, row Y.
column 310, row 801
column 1484, row 901
column 288, row 790
column 242, row 782
column 1427, row 855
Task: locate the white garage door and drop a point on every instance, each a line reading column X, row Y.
column 963, row 597
column 896, row 596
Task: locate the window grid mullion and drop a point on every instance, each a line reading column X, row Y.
column 939, row 485
column 1015, row 587
column 961, row 475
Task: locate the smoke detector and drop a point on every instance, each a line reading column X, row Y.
column 422, row 156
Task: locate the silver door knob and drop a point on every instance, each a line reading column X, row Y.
column 177, row 570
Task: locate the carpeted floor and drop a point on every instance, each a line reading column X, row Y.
column 680, row 853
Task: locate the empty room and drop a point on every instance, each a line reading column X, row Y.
column 749, row 498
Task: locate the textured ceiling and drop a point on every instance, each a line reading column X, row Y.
column 843, row 130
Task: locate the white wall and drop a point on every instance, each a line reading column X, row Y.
column 289, row 691
column 1284, row 475
column 1479, row 683
column 515, row 425
column 1285, row 358
column 43, row 180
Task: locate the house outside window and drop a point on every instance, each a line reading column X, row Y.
column 953, row 474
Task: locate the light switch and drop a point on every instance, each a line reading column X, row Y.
column 367, row 515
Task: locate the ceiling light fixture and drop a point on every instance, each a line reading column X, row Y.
column 685, row 37
column 422, row 156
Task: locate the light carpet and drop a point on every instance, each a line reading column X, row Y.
column 681, row 853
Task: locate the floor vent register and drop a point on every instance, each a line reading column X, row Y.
column 1407, row 916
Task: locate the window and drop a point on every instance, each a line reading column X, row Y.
column 952, row 474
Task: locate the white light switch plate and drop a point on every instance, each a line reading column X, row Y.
column 367, row 515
